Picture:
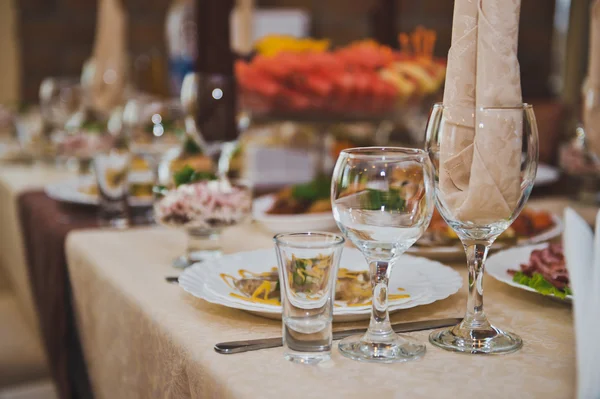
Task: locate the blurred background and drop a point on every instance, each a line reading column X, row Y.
column 55, row 38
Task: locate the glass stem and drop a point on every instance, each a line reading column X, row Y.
column 153, row 165
column 476, row 255
column 380, row 319
column 200, row 240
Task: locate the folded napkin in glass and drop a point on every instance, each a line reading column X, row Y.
column 582, row 255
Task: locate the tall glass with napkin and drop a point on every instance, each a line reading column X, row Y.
column 483, row 143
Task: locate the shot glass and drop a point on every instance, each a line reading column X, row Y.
column 308, row 266
column 112, row 172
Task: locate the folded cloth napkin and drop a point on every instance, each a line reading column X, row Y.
column 582, row 255
column 481, row 165
column 591, row 113
column 109, row 58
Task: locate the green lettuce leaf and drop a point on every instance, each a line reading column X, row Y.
column 313, row 191
column 540, row 284
column 390, row 200
column 188, row 175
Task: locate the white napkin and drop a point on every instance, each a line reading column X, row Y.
column 582, row 255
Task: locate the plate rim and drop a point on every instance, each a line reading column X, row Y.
column 554, row 175
column 261, row 215
column 543, row 237
column 218, row 299
column 54, row 191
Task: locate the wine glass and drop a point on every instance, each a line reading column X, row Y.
column 382, row 200
column 485, row 161
column 62, row 102
column 203, row 209
column 62, row 107
column 155, row 129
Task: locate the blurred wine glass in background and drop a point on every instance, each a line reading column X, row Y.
column 155, row 129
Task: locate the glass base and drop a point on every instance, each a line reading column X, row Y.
column 489, row 340
column 307, row 358
column 120, row 223
column 197, row 256
column 392, row 349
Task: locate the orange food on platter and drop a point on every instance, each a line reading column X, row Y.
column 528, row 224
column 364, row 78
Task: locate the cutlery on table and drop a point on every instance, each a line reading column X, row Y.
column 227, row 348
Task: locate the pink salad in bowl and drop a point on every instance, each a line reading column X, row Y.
column 206, row 204
column 202, row 209
column 83, row 144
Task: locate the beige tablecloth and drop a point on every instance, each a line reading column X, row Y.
column 145, row 338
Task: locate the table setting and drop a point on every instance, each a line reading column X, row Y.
column 313, row 256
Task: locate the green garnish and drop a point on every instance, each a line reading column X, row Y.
column 190, row 147
column 237, row 151
column 315, row 190
column 93, row 126
column 389, row 200
column 541, row 285
column 301, row 263
column 298, row 278
column 188, row 175
column 160, row 190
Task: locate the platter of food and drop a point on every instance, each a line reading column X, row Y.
column 530, row 227
column 249, row 281
column 83, row 190
column 537, row 268
column 546, row 174
column 302, row 207
column 299, row 78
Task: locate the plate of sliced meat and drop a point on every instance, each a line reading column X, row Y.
column 537, row 268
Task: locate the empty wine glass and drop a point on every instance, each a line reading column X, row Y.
column 62, row 102
column 485, row 161
column 382, row 200
column 155, row 129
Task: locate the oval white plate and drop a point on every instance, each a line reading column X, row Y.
column 454, row 252
column 545, row 175
column 426, row 281
column 500, row 263
column 290, row 223
column 69, row 190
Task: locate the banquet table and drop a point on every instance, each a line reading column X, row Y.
column 146, row 338
column 143, row 337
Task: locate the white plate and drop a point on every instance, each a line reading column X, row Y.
column 290, row 223
column 546, row 174
column 424, row 280
column 500, row 263
column 454, row 252
column 70, row 190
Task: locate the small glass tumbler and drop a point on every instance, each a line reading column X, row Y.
column 112, row 171
column 308, row 266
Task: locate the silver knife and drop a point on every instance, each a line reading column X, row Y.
column 228, row 348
